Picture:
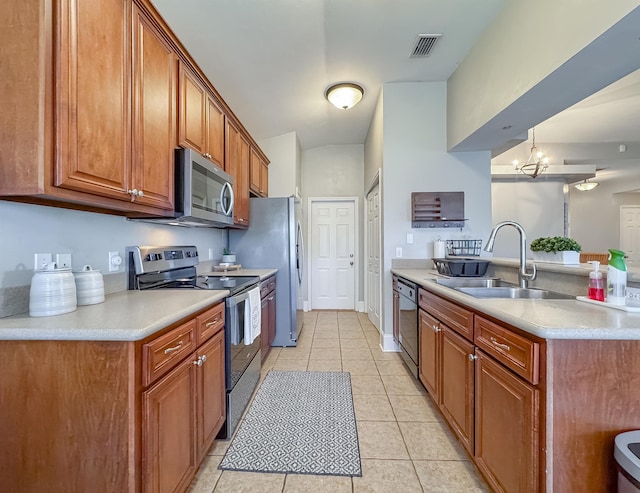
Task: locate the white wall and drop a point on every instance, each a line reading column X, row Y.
column 537, row 205
column 337, row 171
column 285, row 164
column 28, row 229
column 507, row 64
column 415, row 159
column 373, row 145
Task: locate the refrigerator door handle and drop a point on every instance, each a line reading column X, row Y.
column 299, row 252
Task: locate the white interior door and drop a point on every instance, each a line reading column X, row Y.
column 373, row 256
column 333, row 254
column 630, row 232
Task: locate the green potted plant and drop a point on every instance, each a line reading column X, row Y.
column 228, row 256
column 556, row 249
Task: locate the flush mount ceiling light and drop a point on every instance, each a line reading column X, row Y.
column 344, row 95
column 586, row 185
column 537, row 162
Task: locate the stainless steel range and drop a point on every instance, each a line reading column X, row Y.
column 174, row 267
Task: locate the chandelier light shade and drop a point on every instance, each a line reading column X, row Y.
column 586, row 185
column 537, row 162
column 344, row 95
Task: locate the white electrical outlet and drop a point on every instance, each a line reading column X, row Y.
column 409, row 238
column 398, row 252
column 63, row 260
column 115, row 260
column 41, row 260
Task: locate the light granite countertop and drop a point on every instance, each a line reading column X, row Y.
column 549, row 319
column 124, row 316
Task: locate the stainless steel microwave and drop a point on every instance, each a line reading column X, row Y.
column 203, row 193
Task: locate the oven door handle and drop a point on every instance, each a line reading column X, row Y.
column 234, row 300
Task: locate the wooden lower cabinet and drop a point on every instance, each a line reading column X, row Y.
column 493, row 412
column 169, row 417
column 268, row 315
column 507, row 433
column 429, row 358
column 457, row 394
column 112, row 416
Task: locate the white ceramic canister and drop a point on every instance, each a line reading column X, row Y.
column 52, row 292
column 89, row 286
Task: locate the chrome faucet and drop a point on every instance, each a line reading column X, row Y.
column 523, row 276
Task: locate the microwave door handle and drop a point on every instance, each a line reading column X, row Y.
column 229, row 210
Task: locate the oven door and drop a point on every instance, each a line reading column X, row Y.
column 238, row 355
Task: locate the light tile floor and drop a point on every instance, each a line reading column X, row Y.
column 404, row 444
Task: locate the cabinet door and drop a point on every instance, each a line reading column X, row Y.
column 215, row 133
column 507, row 428
column 211, row 395
column 237, row 165
column 154, row 114
column 429, row 367
column 264, row 179
column 192, row 111
column 254, row 173
column 92, row 112
column 272, row 316
column 168, row 422
column 457, row 394
column 265, row 346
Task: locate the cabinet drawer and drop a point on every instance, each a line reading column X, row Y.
column 267, row 286
column 454, row 316
column 518, row 353
column 209, row 323
column 163, row 353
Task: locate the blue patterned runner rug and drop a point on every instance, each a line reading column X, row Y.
column 299, row 422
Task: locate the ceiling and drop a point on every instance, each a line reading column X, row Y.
column 272, row 60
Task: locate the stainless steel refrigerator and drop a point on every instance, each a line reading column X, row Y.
column 274, row 240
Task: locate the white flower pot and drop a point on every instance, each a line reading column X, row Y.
column 229, row 259
column 566, row 258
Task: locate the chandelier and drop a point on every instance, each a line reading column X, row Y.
column 537, row 162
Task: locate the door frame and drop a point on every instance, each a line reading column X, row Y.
column 358, row 305
column 375, row 182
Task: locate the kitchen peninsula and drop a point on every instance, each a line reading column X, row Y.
column 547, row 386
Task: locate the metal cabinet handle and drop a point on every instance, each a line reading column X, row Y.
column 198, row 362
column 140, row 193
column 500, row 345
column 213, row 322
column 203, row 358
column 270, row 298
column 472, row 357
column 435, row 328
column 173, row 349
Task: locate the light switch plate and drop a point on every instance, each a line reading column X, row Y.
column 63, row 260
column 409, row 238
column 398, row 252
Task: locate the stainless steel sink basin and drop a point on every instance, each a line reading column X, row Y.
column 472, row 282
column 513, row 293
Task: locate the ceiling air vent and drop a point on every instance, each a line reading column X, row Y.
column 424, row 45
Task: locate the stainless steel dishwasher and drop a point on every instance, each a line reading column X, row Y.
column 408, row 323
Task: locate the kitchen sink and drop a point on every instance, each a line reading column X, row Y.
column 473, row 282
column 513, row 292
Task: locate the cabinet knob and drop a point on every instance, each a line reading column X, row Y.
column 435, row 328
column 472, row 357
column 198, row 362
column 140, row 193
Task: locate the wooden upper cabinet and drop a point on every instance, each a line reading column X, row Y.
column 258, row 174
column 215, row 133
column 92, row 112
column 201, row 119
column 154, row 113
column 237, row 165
